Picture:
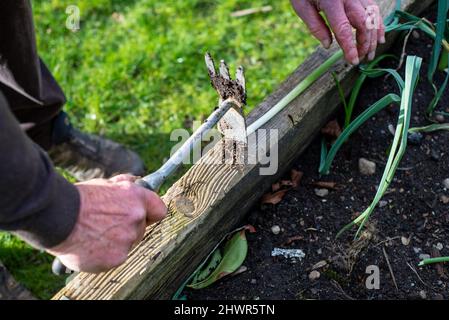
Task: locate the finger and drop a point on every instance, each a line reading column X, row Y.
column 357, row 16
column 339, row 22
column 155, row 207
column 314, row 22
column 140, row 235
column 373, row 46
column 123, row 177
column 381, row 30
column 373, row 23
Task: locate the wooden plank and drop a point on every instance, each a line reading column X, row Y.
column 211, row 199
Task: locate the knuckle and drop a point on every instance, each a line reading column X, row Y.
column 138, row 215
column 316, row 30
column 127, row 185
column 343, row 29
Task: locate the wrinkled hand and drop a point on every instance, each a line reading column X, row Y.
column 113, row 216
column 343, row 16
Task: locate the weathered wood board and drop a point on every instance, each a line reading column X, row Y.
column 211, row 199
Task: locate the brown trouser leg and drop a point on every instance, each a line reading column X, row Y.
column 33, row 94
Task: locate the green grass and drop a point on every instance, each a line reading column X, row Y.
column 135, row 81
column 28, row 266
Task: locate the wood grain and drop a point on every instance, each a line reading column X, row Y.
column 211, row 198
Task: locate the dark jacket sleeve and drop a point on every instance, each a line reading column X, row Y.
column 36, row 203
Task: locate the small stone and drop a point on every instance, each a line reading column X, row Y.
column 415, row 34
column 415, row 138
column 367, row 167
column 319, row 265
column 446, row 183
column 314, row 275
column 444, row 199
column 253, row 281
column 417, row 250
column 405, row 241
column 423, row 294
column 439, row 246
column 322, row 192
column 391, row 129
column 276, row 229
column 440, row 118
column 435, row 155
column 424, row 256
column 383, row 203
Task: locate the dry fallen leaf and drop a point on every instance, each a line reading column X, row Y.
column 274, row 198
column 332, row 130
column 275, row 187
column 291, row 240
column 279, row 189
column 325, row 185
column 296, row 177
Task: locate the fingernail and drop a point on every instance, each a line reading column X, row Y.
column 382, row 39
column 355, row 61
column 371, row 55
column 326, row 43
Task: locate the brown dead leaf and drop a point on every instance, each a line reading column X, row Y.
column 296, row 177
column 332, row 130
column 325, row 185
column 292, row 239
column 274, row 198
column 279, row 189
column 286, row 183
column 275, row 187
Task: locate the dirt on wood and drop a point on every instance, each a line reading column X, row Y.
column 411, row 223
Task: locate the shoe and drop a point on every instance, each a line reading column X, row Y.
column 87, row 156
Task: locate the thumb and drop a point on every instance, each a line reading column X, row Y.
column 154, row 206
column 123, row 177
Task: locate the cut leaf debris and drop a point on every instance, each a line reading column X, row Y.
column 224, row 261
column 280, row 189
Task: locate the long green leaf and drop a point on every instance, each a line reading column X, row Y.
column 399, row 144
column 368, row 113
column 443, row 6
column 358, row 85
column 341, row 92
column 431, row 128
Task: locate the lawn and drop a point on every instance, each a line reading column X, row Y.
column 134, row 72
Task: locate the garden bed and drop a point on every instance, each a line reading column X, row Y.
column 411, row 223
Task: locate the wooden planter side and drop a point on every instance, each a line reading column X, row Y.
column 212, row 199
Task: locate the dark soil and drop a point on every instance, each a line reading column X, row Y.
column 414, row 211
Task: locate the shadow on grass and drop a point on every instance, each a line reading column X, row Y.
column 30, row 267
